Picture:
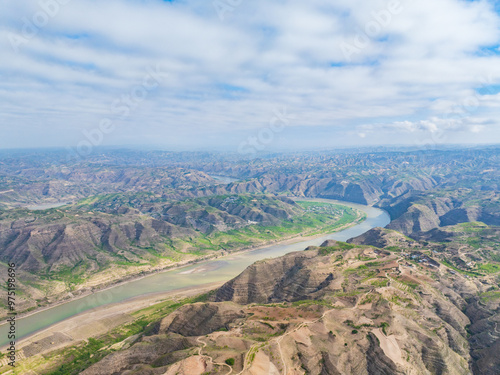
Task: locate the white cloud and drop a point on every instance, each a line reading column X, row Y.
column 225, row 78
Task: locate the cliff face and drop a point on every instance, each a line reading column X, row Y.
column 382, row 237
column 418, row 218
column 366, row 191
column 289, row 278
column 425, row 212
column 200, row 319
column 51, row 247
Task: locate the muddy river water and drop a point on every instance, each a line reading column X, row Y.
column 199, row 274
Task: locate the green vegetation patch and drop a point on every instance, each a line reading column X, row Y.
column 340, row 246
column 308, row 223
column 410, row 284
column 380, row 283
column 384, row 326
column 471, row 227
column 490, row 296
column 81, row 357
column 312, row 302
column 468, row 273
column 74, row 360
column 489, row 268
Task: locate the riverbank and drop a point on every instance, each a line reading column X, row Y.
column 88, row 323
column 101, row 319
column 98, row 321
column 86, row 291
column 216, row 270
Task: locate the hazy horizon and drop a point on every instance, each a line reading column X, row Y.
column 71, row 153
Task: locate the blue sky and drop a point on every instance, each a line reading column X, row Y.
column 212, row 75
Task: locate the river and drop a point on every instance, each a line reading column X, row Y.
column 223, row 179
column 202, row 273
column 46, row 206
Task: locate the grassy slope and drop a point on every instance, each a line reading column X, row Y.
column 315, row 218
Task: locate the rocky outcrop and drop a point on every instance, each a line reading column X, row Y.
column 381, row 237
column 148, row 351
column 421, row 213
column 200, row 319
column 418, row 218
column 484, row 334
column 54, row 247
column 289, row 278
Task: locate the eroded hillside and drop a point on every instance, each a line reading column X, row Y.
column 400, row 308
column 101, row 240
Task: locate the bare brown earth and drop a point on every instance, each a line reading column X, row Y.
column 122, row 277
column 355, row 326
column 337, row 309
column 38, row 293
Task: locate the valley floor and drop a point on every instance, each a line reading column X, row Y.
column 102, row 319
column 118, row 274
column 92, row 323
